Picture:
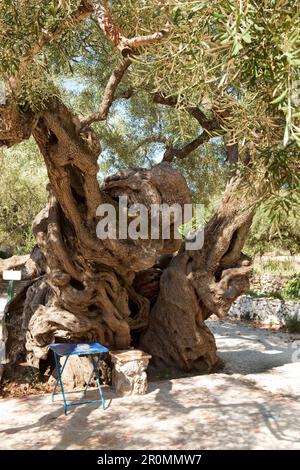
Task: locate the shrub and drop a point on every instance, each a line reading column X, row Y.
column 292, row 290
column 260, row 295
column 23, row 180
column 275, row 266
column 293, row 323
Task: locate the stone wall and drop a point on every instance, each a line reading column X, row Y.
column 269, row 282
column 265, row 310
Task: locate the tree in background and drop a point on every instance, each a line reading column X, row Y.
column 23, row 181
column 282, row 234
column 205, row 72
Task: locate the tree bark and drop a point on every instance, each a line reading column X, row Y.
column 91, row 289
column 198, row 284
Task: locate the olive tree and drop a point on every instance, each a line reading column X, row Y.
column 229, row 70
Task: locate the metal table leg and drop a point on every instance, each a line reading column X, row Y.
column 96, row 373
column 59, row 380
column 95, row 368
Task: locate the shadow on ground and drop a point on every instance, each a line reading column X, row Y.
column 211, row 412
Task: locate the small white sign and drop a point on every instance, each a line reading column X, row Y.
column 12, row 275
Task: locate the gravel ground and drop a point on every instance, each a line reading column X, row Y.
column 245, row 349
column 252, row 404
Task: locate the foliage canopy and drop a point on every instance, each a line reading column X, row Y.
column 238, row 61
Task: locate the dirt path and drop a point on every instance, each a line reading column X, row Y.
column 246, row 349
column 254, row 405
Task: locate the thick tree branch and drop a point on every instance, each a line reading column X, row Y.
column 103, row 19
column 208, row 125
column 32, row 266
column 109, row 92
column 126, row 45
column 13, row 263
column 146, row 40
column 184, row 151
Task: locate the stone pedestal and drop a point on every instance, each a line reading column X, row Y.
column 129, row 372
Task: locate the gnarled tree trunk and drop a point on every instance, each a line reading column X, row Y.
column 92, row 289
column 198, row 284
column 154, row 293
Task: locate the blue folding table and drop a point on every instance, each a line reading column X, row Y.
column 78, row 349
